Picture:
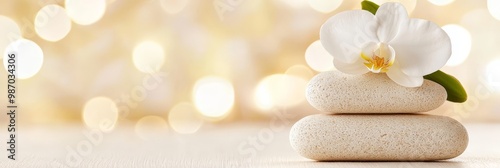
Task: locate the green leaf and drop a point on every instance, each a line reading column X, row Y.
column 455, row 90
column 369, row 6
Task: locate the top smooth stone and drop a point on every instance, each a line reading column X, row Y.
column 337, row 92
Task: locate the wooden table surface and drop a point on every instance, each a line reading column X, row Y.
column 228, row 145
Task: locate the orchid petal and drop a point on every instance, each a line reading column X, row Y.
column 422, row 47
column 356, row 68
column 390, row 17
column 344, row 34
column 398, row 76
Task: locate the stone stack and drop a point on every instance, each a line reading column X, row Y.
column 370, row 118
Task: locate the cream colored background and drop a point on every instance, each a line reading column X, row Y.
column 255, row 39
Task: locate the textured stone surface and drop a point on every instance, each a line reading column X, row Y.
column 337, row 92
column 377, row 137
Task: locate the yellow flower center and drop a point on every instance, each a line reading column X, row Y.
column 378, row 57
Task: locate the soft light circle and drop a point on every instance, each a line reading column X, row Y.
column 173, row 6
column 213, row 96
column 441, row 2
column 461, row 42
column 100, row 113
column 325, row 6
column 408, row 4
column 301, row 71
column 85, row 12
column 29, row 57
column 493, row 74
column 151, row 127
column 9, row 32
column 318, row 58
column 494, row 8
column 148, row 57
column 52, row 23
column 183, row 119
column 295, row 3
column 279, row 90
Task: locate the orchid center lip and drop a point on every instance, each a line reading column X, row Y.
column 378, row 57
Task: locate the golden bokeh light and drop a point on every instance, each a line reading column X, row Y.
column 173, row 6
column 151, row 128
column 295, row 3
column 100, row 113
column 408, row 4
column 318, row 58
column 494, row 8
column 441, row 2
column 29, row 57
column 184, row 119
column 213, row 96
column 148, row 57
column 461, row 42
column 9, row 32
column 493, row 74
column 300, row 71
column 279, row 90
column 85, row 12
column 52, row 23
column 324, row 6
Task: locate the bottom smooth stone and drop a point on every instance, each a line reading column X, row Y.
column 402, row 137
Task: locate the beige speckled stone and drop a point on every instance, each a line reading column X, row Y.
column 378, row 137
column 337, row 92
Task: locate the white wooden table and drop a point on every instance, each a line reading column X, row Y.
column 226, row 145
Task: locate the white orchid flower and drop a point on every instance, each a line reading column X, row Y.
column 390, row 42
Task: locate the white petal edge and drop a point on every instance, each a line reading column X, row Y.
column 390, row 17
column 422, row 47
column 398, row 76
column 345, row 33
column 356, row 68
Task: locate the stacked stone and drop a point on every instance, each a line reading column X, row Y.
column 370, row 118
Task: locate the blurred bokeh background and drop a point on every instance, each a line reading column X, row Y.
column 185, row 64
